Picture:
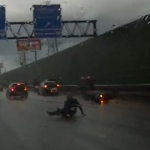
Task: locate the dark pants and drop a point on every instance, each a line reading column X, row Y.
column 63, row 112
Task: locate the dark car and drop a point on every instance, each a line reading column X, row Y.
column 17, row 89
column 48, row 88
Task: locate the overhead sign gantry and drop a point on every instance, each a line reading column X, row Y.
column 46, row 23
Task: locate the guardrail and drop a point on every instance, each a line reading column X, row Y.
column 113, row 87
column 63, row 88
column 127, row 87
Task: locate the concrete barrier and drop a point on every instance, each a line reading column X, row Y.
column 62, row 88
column 125, row 92
column 112, row 88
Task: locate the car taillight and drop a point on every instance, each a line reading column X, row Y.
column 102, row 102
column 12, row 89
column 45, row 86
column 25, row 89
column 58, row 85
column 18, row 83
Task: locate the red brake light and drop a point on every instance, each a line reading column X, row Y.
column 25, row 88
column 18, row 83
column 58, row 85
column 45, row 86
column 12, row 89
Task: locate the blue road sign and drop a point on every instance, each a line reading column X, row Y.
column 47, row 21
column 2, row 22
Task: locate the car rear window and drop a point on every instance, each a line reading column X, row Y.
column 49, row 84
column 18, row 87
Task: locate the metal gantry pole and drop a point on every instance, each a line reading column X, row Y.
column 23, row 72
column 48, row 46
column 56, row 45
column 53, row 46
column 35, row 54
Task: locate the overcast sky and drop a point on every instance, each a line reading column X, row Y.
column 107, row 12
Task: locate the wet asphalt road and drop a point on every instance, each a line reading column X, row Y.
column 24, row 125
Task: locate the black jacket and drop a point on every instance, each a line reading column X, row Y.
column 73, row 103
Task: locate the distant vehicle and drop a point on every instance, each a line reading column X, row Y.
column 48, row 87
column 17, row 89
column 36, row 86
column 1, row 88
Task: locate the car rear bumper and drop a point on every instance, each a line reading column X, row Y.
column 18, row 94
column 51, row 92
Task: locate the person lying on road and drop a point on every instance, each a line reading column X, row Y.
column 70, row 107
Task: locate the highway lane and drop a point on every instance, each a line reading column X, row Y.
column 24, row 125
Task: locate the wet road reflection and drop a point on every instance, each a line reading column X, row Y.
column 24, row 125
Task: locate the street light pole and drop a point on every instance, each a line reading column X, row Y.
column 48, row 45
column 36, row 65
column 24, row 59
column 5, row 73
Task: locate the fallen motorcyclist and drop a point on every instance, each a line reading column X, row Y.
column 69, row 109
